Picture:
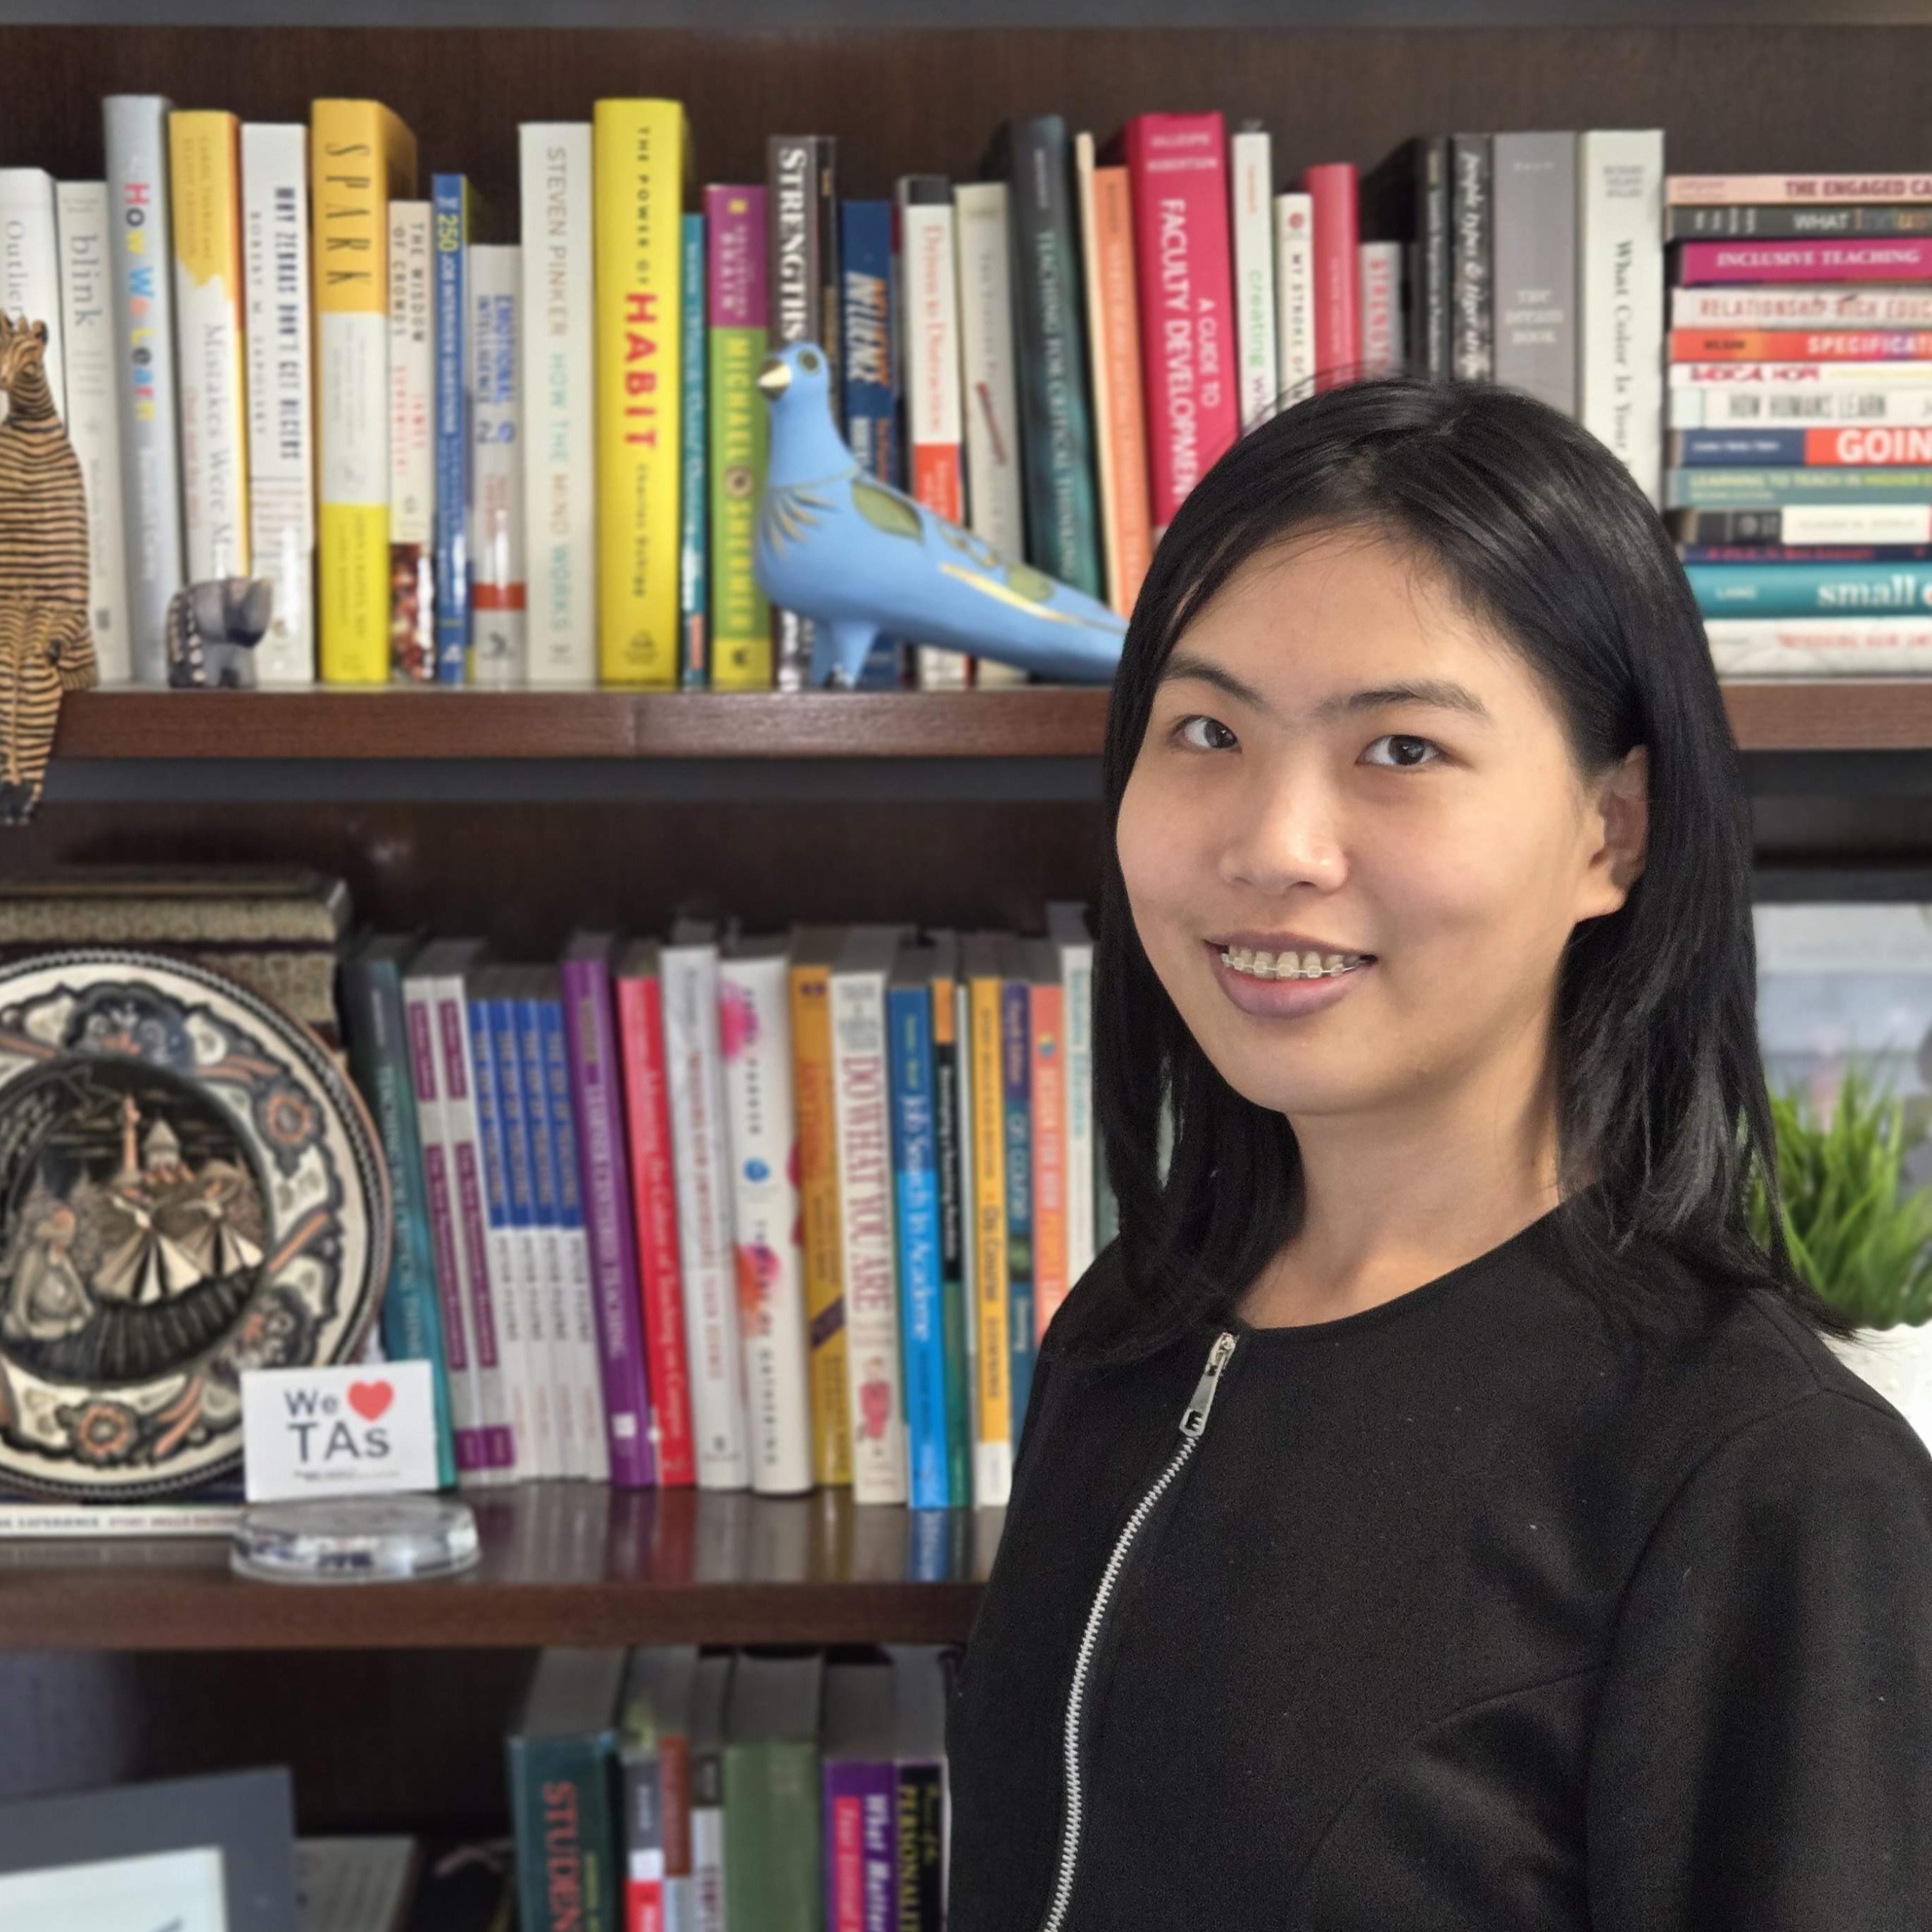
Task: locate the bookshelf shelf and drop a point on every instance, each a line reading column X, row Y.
column 562, row 1563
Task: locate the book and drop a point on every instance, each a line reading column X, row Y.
column 1837, row 646
column 412, row 443
column 754, row 1036
column 693, row 1062
column 919, row 1699
column 1711, row 408
column 639, row 986
column 1800, row 305
column 1795, row 375
column 1690, row 191
column 1534, row 265
column 1294, row 294
column 1472, row 276
column 1905, row 259
column 205, row 186
column 1800, row 345
column 1067, row 930
column 1016, row 1096
column 930, row 326
column 736, row 339
column 1333, row 189
column 1046, row 1028
column 814, row 949
column 1719, row 488
column 1811, row 589
column 710, row 1693
column 455, row 433
column 597, row 1110
column 379, row 1044
column 562, row 1755
column 559, row 402
column 969, row 1292
column 1251, row 186
column 772, row 1866
column 1857, row 446
column 1848, row 522
column 1106, row 222
column 641, row 169
column 860, row 1798
column 693, row 612
column 30, row 267
column 950, row 1159
column 996, row 1414
column 1773, row 222
column 135, row 126
column 654, row 1760
column 1405, row 199
column 93, row 416
column 360, row 157
column 1379, row 265
column 24, row 1521
column 499, row 645
column 1620, row 295
column 801, row 237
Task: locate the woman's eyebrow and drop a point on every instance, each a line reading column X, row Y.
column 1442, row 693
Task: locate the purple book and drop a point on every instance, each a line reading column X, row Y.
column 598, row 1101
column 861, row 1800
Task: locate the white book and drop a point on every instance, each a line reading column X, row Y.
column 30, row 267
column 135, row 126
column 281, row 391
column 412, row 443
column 1251, row 179
column 559, row 424
column 694, row 1068
column 1620, row 296
column 1802, row 305
column 1294, row 294
column 497, row 644
column 1798, row 409
column 1820, row 646
column 1067, row 928
column 1379, row 266
column 1799, row 375
column 93, row 412
column 929, row 303
column 862, row 1104
column 754, row 1028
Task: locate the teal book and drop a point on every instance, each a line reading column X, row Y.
column 1056, row 423
column 379, row 1053
column 1812, row 589
column 1718, row 488
column 693, row 612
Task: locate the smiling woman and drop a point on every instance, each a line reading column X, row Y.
column 1435, row 1509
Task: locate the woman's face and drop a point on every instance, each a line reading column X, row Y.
column 1341, row 760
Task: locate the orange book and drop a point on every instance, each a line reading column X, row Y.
column 1045, row 1004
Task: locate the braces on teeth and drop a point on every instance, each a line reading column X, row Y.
column 1263, row 965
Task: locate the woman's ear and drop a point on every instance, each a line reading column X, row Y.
column 1624, row 801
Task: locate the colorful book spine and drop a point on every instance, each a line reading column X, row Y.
column 950, row 1156
column 1716, row 191
column 1810, row 589
column 916, row 1179
column 977, row 1442
column 1380, row 266
column 569, row 1864
column 1016, row 1093
column 1047, row 1046
column 871, row 375
column 559, row 403
column 755, row 1044
column 205, row 178
column 455, row 449
column 1620, row 296
column 605, row 1443
column 1056, row 429
column 1907, row 259
column 1333, row 188
column 1251, row 178
column 590, row 1032
column 1835, row 646
column 693, row 613
column 1472, row 277
column 30, row 267
column 741, row 619
column 1858, row 445
column 998, row 1415
column 1800, row 345
column 1792, row 223
column 1534, row 265
column 1120, row 412
column 136, row 129
column 1294, row 294
column 642, row 161
column 1719, row 488
column 360, row 156
column 84, row 225
column 811, row 990
column 1794, row 377
column 412, row 443
column 989, row 392
column 861, row 1859
column 498, row 652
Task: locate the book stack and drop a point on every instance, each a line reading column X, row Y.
column 1801, row 418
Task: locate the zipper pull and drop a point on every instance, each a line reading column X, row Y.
column 1194, row 1417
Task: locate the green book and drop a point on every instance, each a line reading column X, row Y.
column 739, row 618
column 773, row 1877
column 564, row 1795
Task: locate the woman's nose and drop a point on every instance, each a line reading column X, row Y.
column 1284, row 833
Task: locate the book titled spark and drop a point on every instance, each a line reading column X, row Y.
column 411, row 444
column 497, row 653
column 360, row 157
column 641, row 160
column 741, row 619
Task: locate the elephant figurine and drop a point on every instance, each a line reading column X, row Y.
column 213, row 629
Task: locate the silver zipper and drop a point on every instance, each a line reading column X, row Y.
column 1193, row 1424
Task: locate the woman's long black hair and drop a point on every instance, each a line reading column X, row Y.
column 1660, row 1088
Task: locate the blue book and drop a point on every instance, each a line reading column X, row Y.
column 1701, row 448
column 450, row 228
column 505, row 1270
column 519, row 1169
column 915, row 1190
column 694, row 625
column 869, row 310
column 379, row 1051
column 1812, row 589
column 1016, row 1082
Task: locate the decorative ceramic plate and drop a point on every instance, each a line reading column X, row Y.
column 189, row 1187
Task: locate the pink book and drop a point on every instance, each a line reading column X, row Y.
column 1331, row 187
column 1907, row 258
column 1178, row 173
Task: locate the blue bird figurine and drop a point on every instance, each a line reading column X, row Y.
column 860, row 558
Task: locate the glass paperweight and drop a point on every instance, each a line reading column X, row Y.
column 355, row 1540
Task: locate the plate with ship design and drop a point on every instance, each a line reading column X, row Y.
column 190, row 1187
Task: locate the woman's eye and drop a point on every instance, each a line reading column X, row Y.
column 1403, row 761
column 1205, row 734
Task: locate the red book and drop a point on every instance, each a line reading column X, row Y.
column 1801, row 345
column 654, row 1209
column 1178, row 173
column 1331, row 188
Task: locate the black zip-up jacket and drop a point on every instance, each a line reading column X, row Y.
column 1457, row 1617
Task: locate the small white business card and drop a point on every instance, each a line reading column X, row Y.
column 359, row 1429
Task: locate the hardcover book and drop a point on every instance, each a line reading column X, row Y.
column 860, row 1799
column 1620, row 296
column 1332, row 191
column 772, row 1866
column 30, row 267
column 1472, row 230
column 741, row 619
column 498, row 651
column 1047, row 1054
column 997, row 1416
column 1294, row 294
column 1016, row 1093
column 562, row 1761
column 412, row 443
column 455, row 436
column 693, row 611
column 1067, row 930
column 1535, row 265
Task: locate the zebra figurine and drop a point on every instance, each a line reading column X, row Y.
column 47, row 642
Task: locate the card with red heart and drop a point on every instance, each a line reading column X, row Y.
column 361, row 1428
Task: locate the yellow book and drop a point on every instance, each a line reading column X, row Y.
column 361, row 157
column 809, row 980
column 992, row 1450
column 641, row 168
column 205, row 199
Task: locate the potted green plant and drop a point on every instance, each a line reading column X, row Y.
column 1859, row 1231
